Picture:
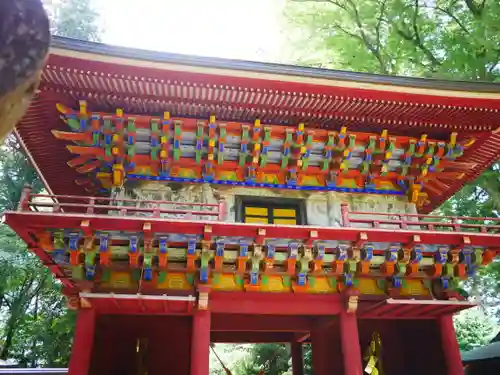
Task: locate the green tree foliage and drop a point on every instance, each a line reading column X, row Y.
column 272, row 358
column 442, row 38
column 76, row 19
column 36, row 328
column 474, row 329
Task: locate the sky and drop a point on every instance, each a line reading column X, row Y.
column 238, row 29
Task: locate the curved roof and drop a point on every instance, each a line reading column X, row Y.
column 145, row 82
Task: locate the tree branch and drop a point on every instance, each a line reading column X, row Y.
column 416, row 39
column 449, row 14
column 476, row 10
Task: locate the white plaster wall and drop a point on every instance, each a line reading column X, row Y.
column 322, row 209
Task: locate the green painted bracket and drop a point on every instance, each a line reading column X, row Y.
column 365, row 167
column 148, row 259
column 107, row 123
column 352, row 141
column 90, row 257
column 106, row 275
column 332, row 281
column 381, row 284
column 177, row 153
column 131, row 125
column 162, row 276
column 154, row 126
column 331, row 140
column 263, row 160
column 77, row 272
column 220, row 157
column 351, row 266
column 199, row 130
column 96, row 139
column 326, row 163
column 448, row 269
column 411, row 149
column 59, row 240
column 205, row 258
column 264, row 280
column 305, row 163
column 243, row 159
column 244, row 133
column 478, row 257
column 267, row 134
column 430, row 149
column 73, row 123
column 238, row 279
column 284, row 162
column 131, row 151
column 136, row 274
column 304, row 266
column 401, row 269
column 287, row 282
column 311, row 280
column 404, row 169
column 190, row 278
column 372, row 144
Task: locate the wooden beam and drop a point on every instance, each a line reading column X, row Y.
column 265, row 323
column 275, row 303
column 251, row 337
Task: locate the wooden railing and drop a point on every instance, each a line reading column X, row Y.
column 419, row 222
column 217, row 211
column 119, row 207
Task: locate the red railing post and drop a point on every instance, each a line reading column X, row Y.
column 344, row 210
column 24, row 201
column 156, row 210
column 402, row 219
column 456, row 224
column 222, row 210
column 90, row 208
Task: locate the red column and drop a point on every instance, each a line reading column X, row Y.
column 451, row 350
column 83, row 341
column 200, row 343
column 297, row 359
column 349, row 339
column 319, row 354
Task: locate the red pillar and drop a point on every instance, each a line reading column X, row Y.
column 451, row 350
column 319, row 352
column 349, row 338
column 200, row 343
column 83, row 341
column 297, row 358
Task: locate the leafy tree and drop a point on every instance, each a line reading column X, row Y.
column 272, row 358
column 474, row 329
column 35, row 326
column 76, row 19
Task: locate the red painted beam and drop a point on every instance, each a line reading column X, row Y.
column 275, row 303
column 257, row 323
column 251, row 337
column 19, row 221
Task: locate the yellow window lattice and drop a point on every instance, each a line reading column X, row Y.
column 285, row 221
column 259, row 220
column 284, row 212
column 256, row 211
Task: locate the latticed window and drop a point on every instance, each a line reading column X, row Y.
column 271, row 211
